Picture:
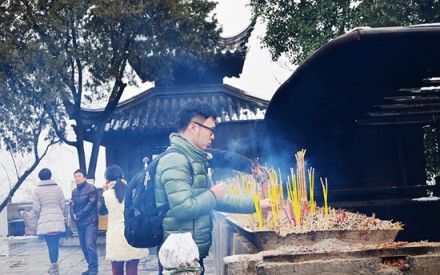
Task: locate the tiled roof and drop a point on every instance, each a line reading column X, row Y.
column 373, row 76
column 226, row 63
column 238, row 42
column 416, row 105
column 157, row 108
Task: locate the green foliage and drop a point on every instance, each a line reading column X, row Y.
column 25, row 88
column 84, row 45
column 432, row 151
column 298, row 28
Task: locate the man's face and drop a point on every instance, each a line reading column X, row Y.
column 204, row 133
column 79, row 178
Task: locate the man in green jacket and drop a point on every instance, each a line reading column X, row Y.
column 182, row 180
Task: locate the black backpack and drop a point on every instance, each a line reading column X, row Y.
column 143, row 220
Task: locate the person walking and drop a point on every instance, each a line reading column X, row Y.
column 49, row 209
column 182, row 180
column 117, row 249
column 84, row 210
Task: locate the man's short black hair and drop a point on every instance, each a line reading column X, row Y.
column 191, row 110
column 80, row 171
column 45, row 174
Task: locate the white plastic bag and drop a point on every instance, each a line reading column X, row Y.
column 179, row 255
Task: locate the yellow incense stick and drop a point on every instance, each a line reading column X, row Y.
column 258, row 211
column 311, row 173
column 325, row 194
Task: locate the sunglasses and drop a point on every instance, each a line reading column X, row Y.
column 206, row 127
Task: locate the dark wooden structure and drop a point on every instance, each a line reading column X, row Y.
column 359, row 105
column 140, row 126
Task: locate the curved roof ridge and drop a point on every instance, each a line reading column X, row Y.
column 239, row 40
column 158, row 91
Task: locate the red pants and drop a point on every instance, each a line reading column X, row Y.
column 131, row 267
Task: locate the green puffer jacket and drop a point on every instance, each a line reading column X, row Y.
column 190, row 201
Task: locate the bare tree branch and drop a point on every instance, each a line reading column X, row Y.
column 15, row 164
column 7, row 174
column 26, row 173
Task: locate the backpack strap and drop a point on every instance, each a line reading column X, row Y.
column 164, row 208
column 146, row 176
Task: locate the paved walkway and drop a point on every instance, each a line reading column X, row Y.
column 29, row 256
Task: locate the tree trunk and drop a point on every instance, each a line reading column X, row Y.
column 79, row 144
column 118, row 89
column 97, row 138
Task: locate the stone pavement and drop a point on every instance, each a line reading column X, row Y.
column 29, row 256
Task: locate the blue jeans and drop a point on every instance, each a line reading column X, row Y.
column 52, row 242
column 88, row 235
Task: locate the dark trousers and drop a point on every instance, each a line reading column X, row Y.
column 52, row 242
column 88, row 235
column 161, row 267
column 131, row 267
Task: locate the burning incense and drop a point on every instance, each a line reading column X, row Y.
column 281, row 191
column 325, row 194
column 258, row 211
column 298, row 212
column 301, row 174
column 274, row 196
column 311, row 173
column 295, row 198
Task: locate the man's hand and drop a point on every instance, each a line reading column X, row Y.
column 265, row 205
column 219, row 190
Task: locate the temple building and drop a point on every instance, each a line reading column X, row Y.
column 140, row 126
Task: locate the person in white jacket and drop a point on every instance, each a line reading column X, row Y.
column 117, row 249
column 49, row 209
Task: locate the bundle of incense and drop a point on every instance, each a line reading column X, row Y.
column 234, row 187
column 301, row 174
column 293, row 194
column 299, row 208
column 274, row 196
